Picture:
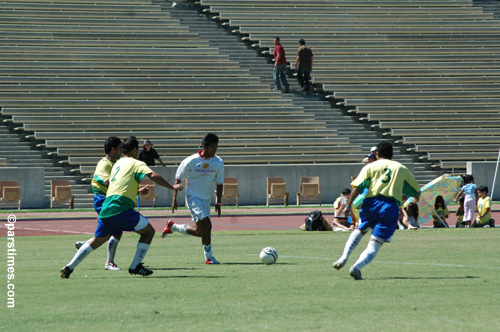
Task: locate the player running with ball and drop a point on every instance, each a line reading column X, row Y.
column 201, row 170
column 386, row 181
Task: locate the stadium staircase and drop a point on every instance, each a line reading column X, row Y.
column 17, row 151
column 75, row 72
column 346, row 125
column 422, row 72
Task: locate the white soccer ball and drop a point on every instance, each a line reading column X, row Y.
column 269, row 255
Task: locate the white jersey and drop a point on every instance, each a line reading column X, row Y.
column 201, row 174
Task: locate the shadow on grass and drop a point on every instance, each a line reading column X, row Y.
column 173, row 268
column 257, row 264
column 185, row 277
column 426, row 278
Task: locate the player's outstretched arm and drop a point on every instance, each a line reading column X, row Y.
column 157, row 178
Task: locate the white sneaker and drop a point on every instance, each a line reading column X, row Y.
column 355, row 273
column 339, row 263
column 111, row 266
column 78, row 244
column 174, row 4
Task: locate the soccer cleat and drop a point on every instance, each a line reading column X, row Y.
column 65, row 272
column 78, row 244
column 141, row 270
column 212, row 261
column 492, row 223
column 168, row 229
column 111, row 266
column 339, row 263
column 355, row 273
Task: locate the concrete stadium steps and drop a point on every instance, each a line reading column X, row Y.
column 445, row 57
column 121, row 65
column 20, row 153
column 343, row 124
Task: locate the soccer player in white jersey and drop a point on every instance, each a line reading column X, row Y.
column 386, row 181
column 201, row 170
column 118, row 214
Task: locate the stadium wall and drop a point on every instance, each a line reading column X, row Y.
column 484, row 172
column 31, row 181
column 252, row 183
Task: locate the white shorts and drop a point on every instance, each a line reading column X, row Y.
column 199, row 208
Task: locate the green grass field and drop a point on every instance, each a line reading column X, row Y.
column 425, row 280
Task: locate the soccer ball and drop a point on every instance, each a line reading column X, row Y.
column 269, row 255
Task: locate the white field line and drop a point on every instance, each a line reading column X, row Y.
column 49, row 230
column 398, row 263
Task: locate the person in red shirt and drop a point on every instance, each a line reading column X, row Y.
column 279, row 74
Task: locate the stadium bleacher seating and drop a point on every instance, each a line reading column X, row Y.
column 424, row 72
column 396, row 64
column 76, row 72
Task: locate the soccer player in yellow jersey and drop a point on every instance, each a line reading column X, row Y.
column 386, row 181
column 100, row 183
column 118, row 214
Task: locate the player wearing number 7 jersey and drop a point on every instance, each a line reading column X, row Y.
column 387, row 181
column 118, row 214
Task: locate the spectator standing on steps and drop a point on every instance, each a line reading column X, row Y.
column 304, row 65
column 279, row 73
column 148, row 154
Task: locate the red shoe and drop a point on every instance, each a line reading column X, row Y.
column 168, row 229
column 212, row 261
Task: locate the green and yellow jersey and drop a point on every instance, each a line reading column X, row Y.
column 386, row 178
column 101, row 174
column 126, row 176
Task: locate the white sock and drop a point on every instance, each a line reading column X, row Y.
column 351, row 243
column 80, row 255
column 368, row 254
column 179, row 228
column 208, row 251
column 142, row 250
column 112, row 244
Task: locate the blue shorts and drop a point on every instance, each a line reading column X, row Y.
column 98, row 200
column 129, row 221
column 381, row 215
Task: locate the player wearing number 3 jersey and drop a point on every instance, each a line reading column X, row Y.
column 386, row 181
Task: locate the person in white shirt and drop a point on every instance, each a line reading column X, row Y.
column 200, row 170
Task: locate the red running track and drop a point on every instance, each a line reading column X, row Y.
column 65, row 226
column 88, row 225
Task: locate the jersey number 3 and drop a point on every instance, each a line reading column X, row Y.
column 387, row 177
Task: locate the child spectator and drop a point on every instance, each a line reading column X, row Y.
column 441, row 213
column 483, row 209
column 341, row 220
column 471, row 197
column 410, row 216
column 460, row 214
